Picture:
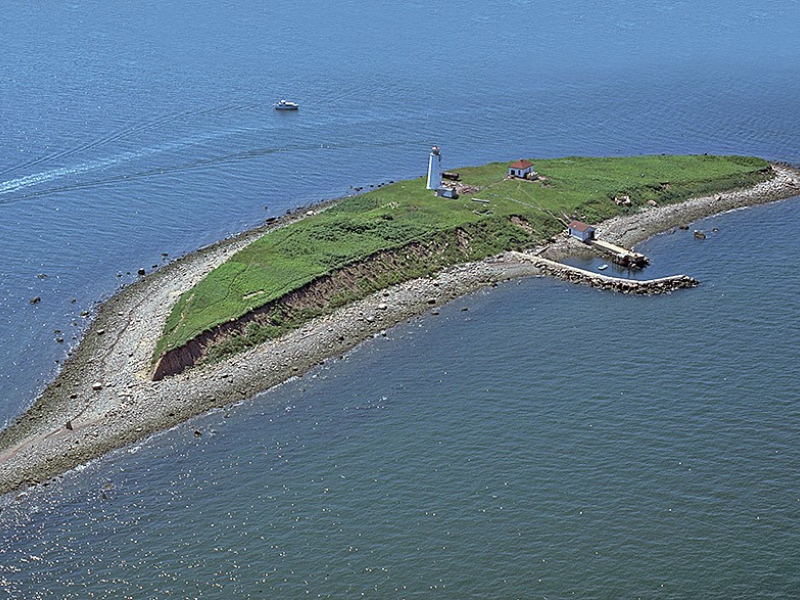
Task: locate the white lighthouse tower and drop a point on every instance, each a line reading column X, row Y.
column 435, row 169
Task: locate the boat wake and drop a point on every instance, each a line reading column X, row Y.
column 218, row 148
column 123, row 134
column 16, row 188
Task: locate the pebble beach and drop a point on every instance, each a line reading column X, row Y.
column 104, row 397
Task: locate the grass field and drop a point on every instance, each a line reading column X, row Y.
column 518, row 214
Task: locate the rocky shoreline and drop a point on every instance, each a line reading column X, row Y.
column 104, row 397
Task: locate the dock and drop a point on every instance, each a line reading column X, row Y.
column 619, row 255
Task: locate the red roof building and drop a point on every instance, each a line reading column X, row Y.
column 582, row 231
column 522, row 168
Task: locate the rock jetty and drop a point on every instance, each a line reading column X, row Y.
column 662, row 285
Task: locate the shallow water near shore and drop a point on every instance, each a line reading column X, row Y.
column 550, row 441
column 554, row 438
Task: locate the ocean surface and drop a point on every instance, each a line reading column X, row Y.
column 536, row 440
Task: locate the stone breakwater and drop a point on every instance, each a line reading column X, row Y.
column 662, row 285
column 104, row 398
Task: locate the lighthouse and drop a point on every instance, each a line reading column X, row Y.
column 435, row 169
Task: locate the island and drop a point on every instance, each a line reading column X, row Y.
column 240, row 316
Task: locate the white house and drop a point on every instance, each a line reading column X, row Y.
column 522, row 169
column 581, row 231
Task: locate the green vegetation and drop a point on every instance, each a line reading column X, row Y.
column 406, row 216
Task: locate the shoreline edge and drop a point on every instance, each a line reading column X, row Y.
column 103, row 397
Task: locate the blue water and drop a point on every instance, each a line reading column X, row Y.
column 550, row 441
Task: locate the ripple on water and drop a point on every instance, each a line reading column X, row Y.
column 550, row 439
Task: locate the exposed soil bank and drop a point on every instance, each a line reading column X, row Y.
column 104, row 397
column 319, row 297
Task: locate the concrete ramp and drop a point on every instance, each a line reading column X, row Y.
column 619, row 255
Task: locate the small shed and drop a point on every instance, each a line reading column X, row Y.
column 582, row 231
column 522, row 169
column 447, row 192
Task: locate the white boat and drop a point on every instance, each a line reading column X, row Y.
column 602, row 267
column 286, row 105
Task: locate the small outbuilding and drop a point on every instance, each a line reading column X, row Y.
column 446, row 192
column 522, row 169
column 582, row 231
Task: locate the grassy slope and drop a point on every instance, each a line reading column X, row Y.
column 405, row 212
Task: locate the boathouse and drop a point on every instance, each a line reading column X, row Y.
column 581, row 231
column 522, row 169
